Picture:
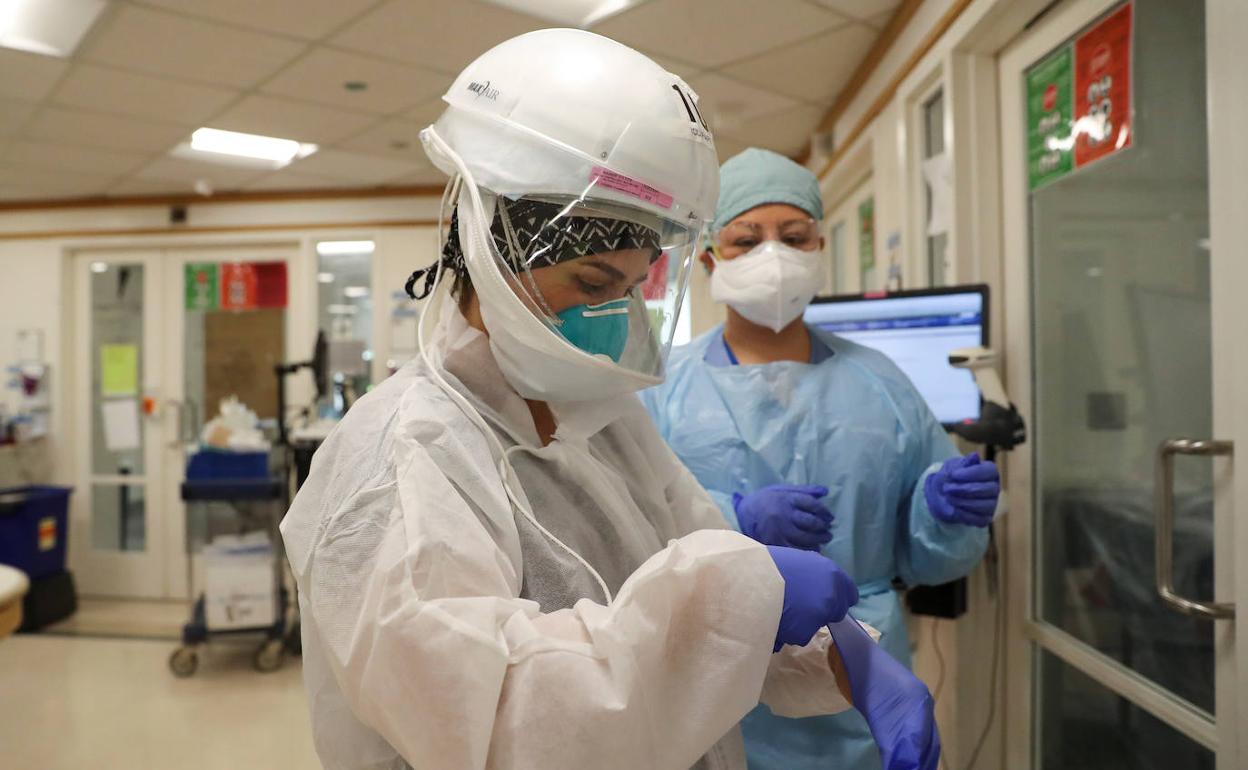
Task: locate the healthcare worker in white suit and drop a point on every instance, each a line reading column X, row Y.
column 500, row 564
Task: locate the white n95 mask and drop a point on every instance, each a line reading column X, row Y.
column 770, row 284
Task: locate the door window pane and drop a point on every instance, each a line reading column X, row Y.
column 1122, row 361
column 232, row 340
column 116, row 368
column 118, row 517
column 1084, row 726
column 345, row 316
column 933, row 145
column 839, row 258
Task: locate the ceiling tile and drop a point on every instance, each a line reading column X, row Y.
column 682, row 69
column 69, row 158
column 134, row 186
column 163, row 44
column 289, row 180
column 305, row 122
column 398, row 139
column 43, row 183
column 108, row 90
column 712, row 33
column 92, row 129
column 430, row 177
column 861, row 9
column 426, row 113
column 27, row 76
column 727, row 103
column 309, row 19
column 815, row 70
column 13, row 115
column 438, row 34
column 881, row 21
column 319, row 77
column 340, row 164
column 787, row 132
column 188, row 172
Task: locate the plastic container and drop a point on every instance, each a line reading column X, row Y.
column 214, row 464
column 34, row 523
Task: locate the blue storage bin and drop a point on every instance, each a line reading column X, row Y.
column 212, row 464
column 34, row 529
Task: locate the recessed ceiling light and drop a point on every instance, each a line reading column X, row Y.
column 338, row 248
column 325, row 277
column 48, row 27
column 355, row 292
column 99, row 267
column 237, row 148
column 570, row 13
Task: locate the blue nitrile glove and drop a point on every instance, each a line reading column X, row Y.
column 964, row 491
column 898, row 707
column 785, row 514
column 816, row 592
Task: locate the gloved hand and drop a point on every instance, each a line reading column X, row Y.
column 898, row 707
column 816, row 592
column 785, row 514
column 964, row 491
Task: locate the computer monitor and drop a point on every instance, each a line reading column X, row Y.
column 917, row 329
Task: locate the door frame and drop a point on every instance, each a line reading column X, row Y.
column 300, row 318
column 137, row 574
column 1027, row 636
column 163, row 258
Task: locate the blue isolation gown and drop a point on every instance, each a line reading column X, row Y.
column 851, row 421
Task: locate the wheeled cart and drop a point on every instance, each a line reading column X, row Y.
column 259, row 505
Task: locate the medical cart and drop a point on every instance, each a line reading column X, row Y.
column 258, row 505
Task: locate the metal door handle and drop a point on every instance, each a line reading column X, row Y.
column 1165, row 525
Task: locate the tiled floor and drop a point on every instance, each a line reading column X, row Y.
column 125, row 618
column 68, row 703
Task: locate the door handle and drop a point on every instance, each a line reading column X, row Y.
column 1166, row 453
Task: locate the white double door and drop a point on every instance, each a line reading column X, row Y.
column 151, row 346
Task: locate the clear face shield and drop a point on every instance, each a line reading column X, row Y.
column 605, row 278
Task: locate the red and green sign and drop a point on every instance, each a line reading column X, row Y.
column 235, row 285
column 1079, row 100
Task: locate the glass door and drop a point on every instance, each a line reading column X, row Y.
column 117, row 534
column 227, row 327
column 1106, row 125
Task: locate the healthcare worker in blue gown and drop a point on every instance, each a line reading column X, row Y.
column 808, row 440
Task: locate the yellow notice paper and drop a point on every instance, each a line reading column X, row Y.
column 119, row 370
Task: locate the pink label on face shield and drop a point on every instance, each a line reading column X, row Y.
column 629, row 186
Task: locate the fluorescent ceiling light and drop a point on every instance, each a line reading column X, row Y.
column 236, row 148
column 49, row 27
column 355, row 292
column 99, row 267
column 570, row 13
column 339, row 248
column 325, row 277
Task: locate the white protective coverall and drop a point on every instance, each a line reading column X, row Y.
column 441, row 630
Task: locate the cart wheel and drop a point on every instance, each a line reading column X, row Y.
column 183, row 662
column 269, row 656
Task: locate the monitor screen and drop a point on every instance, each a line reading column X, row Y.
column 917, row 329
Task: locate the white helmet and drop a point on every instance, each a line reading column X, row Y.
column 608, row 149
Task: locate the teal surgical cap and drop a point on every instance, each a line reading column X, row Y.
column 757, row 177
